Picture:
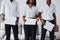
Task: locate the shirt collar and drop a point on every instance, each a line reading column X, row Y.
column 48, row 6
column 31, row 7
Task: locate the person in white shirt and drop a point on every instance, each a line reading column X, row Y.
column 31, row 12
column 10, row 10
column 48, row 14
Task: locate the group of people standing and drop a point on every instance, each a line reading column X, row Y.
column 44, row 13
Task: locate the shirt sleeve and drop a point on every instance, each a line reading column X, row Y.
column 24, row 11
column 40, row 9
column 54, row 9
column 18, row 11
column 2, row 8
column 37, row 10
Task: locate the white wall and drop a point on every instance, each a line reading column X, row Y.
column 57, row 3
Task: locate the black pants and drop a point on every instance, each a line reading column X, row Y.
column 43, row 32
column 30, row 32
column 8, row 29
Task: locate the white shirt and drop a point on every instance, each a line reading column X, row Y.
column 31, row 12
column 9, row 9
column 47, row 12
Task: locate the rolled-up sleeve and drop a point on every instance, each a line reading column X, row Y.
column 24, row 11
column 38, row 9
column 54, row 9
column 18, row 11
column 2, row 8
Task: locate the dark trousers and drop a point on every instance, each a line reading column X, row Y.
column 43, row 32
column 8, row 29
column 30, row 32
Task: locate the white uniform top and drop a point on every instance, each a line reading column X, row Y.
column 10, row 9
column 47, row 12
column 31, row 12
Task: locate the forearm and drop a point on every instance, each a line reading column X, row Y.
column 17, row 18
column 40, row 16
column 23, row 17
column 36, row 16
column 3, row 17
column 54, row 18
